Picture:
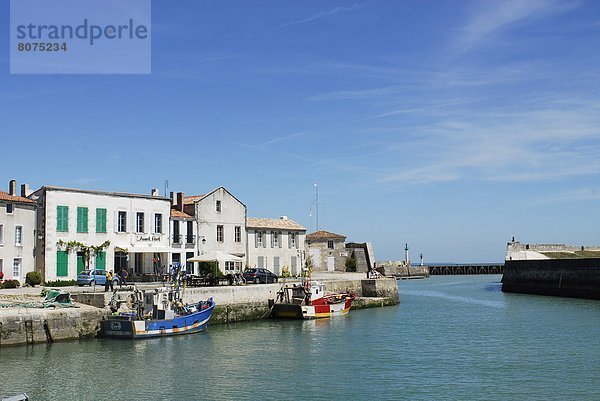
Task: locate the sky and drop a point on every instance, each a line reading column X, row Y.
column 448, row 125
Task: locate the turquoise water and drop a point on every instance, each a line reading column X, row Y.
column 452, row 338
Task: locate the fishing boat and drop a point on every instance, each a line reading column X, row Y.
column 155, row 313
column 309, row 301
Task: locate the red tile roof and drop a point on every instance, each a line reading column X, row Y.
column 180, row 214
column 283, row 224
column 323, row 235
column 187, row 200
column 5, row 196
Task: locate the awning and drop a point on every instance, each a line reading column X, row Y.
column 216, row 256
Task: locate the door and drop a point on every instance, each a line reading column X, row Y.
column 101, row 261
column 330, row 263
column 80, row 263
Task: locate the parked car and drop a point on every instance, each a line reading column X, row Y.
column 89, row 277
column 259, row 275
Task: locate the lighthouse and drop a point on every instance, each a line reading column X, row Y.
column 406, row 254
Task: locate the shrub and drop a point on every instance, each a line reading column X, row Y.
column 10, row 284
column 285, row 271
column 350, row 264
column 33, row 278
column 60, row 283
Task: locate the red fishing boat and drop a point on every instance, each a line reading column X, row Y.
column 309, row 301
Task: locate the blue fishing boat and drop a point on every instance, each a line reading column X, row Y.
column 155, row 313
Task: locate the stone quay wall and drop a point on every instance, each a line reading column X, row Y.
column 234, row 304
column 577, row 278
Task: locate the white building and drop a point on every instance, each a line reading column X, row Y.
column 276, row 243
column 137, row 227
column 220, row 225
column 17, row 233
column 183, row 231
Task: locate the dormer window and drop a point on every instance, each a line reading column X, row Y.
column 218, row 206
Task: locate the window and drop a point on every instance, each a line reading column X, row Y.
column 1, row 234
column 275, row 243
column 330, row 244
column 16, row 268
column 238, row 234
column 189, row 237
column 219, row 233
column 62, row 263
column 9, row 208
column 176, row 235
column 100, row 220
column 62, row 218
column 158, row 223
column 121, row 222
column 229, row 266
column 18, row 235
column 218, row 206
column 139, row 222
column 82, row 219
column 259, row 239
column 292, row 240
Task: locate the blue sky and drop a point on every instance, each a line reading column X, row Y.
column 449, row 125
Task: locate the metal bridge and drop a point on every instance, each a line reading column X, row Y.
column 476, row 268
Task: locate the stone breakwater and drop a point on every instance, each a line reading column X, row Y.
column 234, row 304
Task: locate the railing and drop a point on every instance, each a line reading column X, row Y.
column 176, row 239
column 190, row 239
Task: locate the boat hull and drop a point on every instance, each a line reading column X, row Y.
column 129, row 328
column 292, row 311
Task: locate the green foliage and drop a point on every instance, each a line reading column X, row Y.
column 33, row 278
column 60, row 283
column 10, row 284
column 87, row 250
column 350, row 264
column 206, row 268
column 285, row 272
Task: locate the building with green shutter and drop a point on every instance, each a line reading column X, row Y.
column 136, row 226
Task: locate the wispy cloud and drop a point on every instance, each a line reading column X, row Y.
column 492, row 17
column 314, row 17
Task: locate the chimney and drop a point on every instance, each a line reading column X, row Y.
column 173, row 200
column 25, row 191
column 12, row 188
column 154, row 192
column 283, row 218
column 180, row 201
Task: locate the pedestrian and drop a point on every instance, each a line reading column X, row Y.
column 108, row 283
column 123, row 276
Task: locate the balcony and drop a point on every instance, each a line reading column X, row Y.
column 176, row 240
column 190, row 241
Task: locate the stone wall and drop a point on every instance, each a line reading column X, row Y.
column 49, row 324
column 579, row 278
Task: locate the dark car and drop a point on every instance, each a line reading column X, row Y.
column 259, row 275
column 91, row 277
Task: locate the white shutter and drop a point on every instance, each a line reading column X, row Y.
column 289, row 240
column 280, row 238
column 255, row 239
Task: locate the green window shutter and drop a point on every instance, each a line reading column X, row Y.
column 101, row 260
column 100, row 220
column 62, row 218
column 82, row 219
column 62, row 263
column 80, row 264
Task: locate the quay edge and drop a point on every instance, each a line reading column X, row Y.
column 234, row 304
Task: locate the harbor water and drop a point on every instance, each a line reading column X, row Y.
column 451, row 338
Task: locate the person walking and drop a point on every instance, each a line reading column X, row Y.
column 123, row 276
column 108, row 282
